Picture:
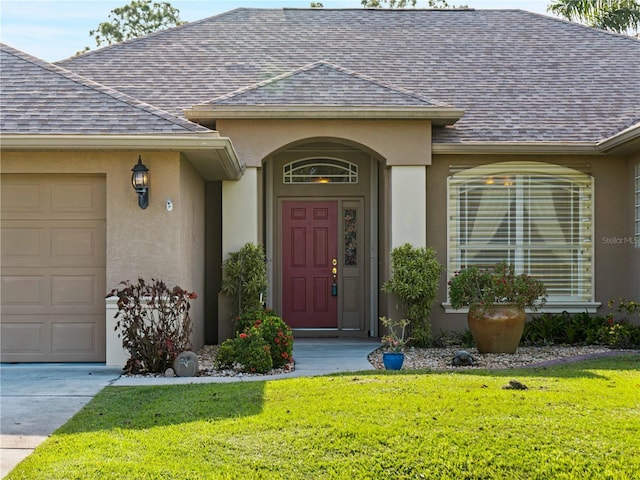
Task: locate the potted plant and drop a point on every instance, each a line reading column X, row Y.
column 393, row 342
column 497, row 300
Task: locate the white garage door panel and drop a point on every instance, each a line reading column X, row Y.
column 53, row 268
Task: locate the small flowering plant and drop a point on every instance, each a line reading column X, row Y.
column 394, row 340
column 473, row 287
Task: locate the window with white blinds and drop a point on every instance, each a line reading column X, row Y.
column 536, row 216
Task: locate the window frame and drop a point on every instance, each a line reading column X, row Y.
column 350, row 170
column 466, row 175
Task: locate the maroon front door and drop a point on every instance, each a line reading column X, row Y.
column 309, row 252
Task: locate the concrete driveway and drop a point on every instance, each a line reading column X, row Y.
column 36, row 399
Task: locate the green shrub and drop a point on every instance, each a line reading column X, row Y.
column 464, row 339
column 245, row 278
column 621, row 334
column 278, row 336
column 273, row 330
column 415, row 276
column 247, row 351
column 226, row 355
column 154, row 324
column 564, row 328
column 580, row 329
column 256, row 329
column 546, row 329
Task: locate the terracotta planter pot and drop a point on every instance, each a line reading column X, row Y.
column 497, row 329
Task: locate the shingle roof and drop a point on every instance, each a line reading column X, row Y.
column 519, row 77
column 323, row 84
column 40, row 98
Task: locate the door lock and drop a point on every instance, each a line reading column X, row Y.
column 334, row 272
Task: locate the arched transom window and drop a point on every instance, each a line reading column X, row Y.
column 320, row 170
column 535, row 215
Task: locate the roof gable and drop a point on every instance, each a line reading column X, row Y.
column 323, row 84
column 41, row 98
column 323, row 90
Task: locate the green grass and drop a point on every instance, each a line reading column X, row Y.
column 574, row 422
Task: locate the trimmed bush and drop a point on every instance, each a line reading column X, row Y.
column 247, row 351
column 273, row 330
column 245, row 278
column 415, row 276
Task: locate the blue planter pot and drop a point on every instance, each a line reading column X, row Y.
column 392, row 360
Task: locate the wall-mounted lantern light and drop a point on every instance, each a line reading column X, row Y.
column 140, row 182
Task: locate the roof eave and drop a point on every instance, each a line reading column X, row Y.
column 199, row 149
column 626, row 141
column 437, row 115
column 517, row 148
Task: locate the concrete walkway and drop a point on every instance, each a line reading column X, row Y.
column 36, row 399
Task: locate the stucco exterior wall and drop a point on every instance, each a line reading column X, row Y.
column 400, row 142
column 612, row 230
column 614, row 262
column 192, row 243
column 408, row 206
column 240, row 206
column 633, row 256
column 149, row 243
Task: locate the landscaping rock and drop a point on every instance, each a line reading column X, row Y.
column 186, row 364
column 462, row 359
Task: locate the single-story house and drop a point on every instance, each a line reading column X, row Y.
column 330, row 137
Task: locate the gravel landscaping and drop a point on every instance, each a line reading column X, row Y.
column 440, row 358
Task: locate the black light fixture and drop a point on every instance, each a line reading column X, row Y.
column 140, row 182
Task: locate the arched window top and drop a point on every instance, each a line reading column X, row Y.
column 320, row 170
column 503, row 172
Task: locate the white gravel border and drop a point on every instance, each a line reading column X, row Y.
column 440, row 358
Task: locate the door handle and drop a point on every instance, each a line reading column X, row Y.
column 334, row 272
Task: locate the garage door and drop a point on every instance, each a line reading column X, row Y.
column 53, row 268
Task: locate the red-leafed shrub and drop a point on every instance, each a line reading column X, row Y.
column 154, row 324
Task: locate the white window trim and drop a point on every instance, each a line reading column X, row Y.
column 550, row 307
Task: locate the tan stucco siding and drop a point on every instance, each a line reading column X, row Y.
column 149, row 243
column 399, row 142
column 633, row 253
column 192, row 243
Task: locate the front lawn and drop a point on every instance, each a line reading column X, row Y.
column 573, row 422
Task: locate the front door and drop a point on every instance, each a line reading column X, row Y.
column 309, row 264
